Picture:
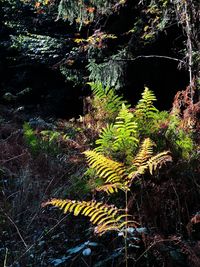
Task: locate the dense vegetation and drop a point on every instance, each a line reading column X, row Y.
column 100, row 133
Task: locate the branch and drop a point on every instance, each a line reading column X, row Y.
column 14, row 224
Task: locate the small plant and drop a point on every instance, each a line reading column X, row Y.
column 30, row 138
column 121, row 138
column 115, row 176
column 145, row 112
column 106, row 103
column 180, row 140
column 47, row 141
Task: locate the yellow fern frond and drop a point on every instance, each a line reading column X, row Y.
column 158, row 160
column 101, row 229
column 145, row 160
column 107, row 217
column 110, row 170
column 140, row 170
column 145, row 152
column 112, row 188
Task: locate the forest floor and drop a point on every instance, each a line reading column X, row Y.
column 35, row 168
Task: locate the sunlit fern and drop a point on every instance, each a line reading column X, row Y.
column 111, row 188
column 139, row 163
column 106, row 217
column 145, row 152
column 111, row 171
column 107, row 99
column 117, row 176
column 145, row 160
column 121, row 137
column 145, row 108
column 158, row 160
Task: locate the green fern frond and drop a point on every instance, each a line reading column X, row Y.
column 105, row 216
column 98, row 89
column 107, row 98
column 126, row 128
column 105, row 139
column 108, row 94
column 145, row 107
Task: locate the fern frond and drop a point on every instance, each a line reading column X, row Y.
column 108, row 97
column 98, row 89
column 140, row 170
column 126, row 130
column 145, row 107
column 145, row 152
column 112, row 188
column 101, row 229
column 106, row 168
column 158, row 160
column 106, row 217
column 105, row 139
column 146, row 160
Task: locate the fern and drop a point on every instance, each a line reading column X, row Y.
column 140, row 160
column 106, row 217
column 119, row 139
column 145, row 109
column 145, row 152
column 126, row 138
column 105, row 140
column 106, row 168
column 181, row 141
column 106, row 102
column 30, row 138
column 113, row 187
column 158, row 160
column 148, row 161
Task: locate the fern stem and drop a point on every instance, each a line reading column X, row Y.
column 126, row 233
column 5, row 259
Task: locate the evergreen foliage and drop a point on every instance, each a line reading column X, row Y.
column 84, row 12
column 110, row 72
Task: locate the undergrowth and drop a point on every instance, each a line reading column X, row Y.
column 124, row 158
